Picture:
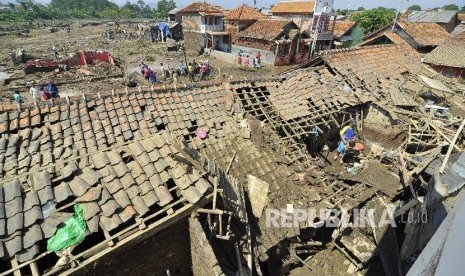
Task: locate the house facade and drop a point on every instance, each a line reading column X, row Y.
column 346, row 34
column 275, row 39
column 199, row 19
column 240, row 18
column 312, row 17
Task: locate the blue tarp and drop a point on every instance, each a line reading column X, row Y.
column 164, row 28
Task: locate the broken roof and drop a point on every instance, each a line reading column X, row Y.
column 267, row 29
column 244, row 12
column 116, row 154
column 293, row 7
column 450, row 54
column 425, row 34
column 201, row 7
column 342, row 28
column 431, row 16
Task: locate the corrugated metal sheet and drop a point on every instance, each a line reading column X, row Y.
column 431, row 16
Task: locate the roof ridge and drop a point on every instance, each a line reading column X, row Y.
column 68, row 100
column 353, row 49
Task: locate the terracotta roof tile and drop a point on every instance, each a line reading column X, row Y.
column 294, row 7
column 425, row 34
column 203, row 7
column 449, row 54
column 244, row 12
column 342, row 27
column 267, row 29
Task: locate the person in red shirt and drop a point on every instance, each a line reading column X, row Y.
column 246, row 62
column 239, row 59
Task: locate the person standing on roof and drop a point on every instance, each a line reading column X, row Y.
column 35, row 91
column 347, row 134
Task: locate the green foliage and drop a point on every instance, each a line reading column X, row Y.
column 361, row 9
column 163, row 7
column 451, row 7
column 414, row 8
column 374, row 19
column 342, row 11
column 30, row 10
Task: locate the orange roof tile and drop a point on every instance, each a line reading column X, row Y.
column 461, row 16
column 370, row 63
column 201, row 7
column 267, row 29
column 342, row 27
column 425, row 34
column 289, row 7
column 244, row 12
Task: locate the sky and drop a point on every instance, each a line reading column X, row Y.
column 341, row 4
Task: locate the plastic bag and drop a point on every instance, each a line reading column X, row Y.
column 73, row 232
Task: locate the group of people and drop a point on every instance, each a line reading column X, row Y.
column 148, row 73
column 245, row 61
column 46, row 92
column 350, row 145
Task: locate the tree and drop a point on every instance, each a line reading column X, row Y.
column 360, row 9
column 414, row 8
column 163, row 7
column 463, row 9
column 451, row 7
column 374, row 19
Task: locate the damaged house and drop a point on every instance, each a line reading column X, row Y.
column 195, row 179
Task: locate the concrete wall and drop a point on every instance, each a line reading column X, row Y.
column 304, row 22
column 267, row 56
column 193, row 41
column 191, row 22
column 204, row 261
column 407, row 38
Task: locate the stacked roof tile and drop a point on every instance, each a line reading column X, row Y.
column 370, row 63
column 342, row 28
column 425, row 34
column 267, row 29
column 203, row 7
column 244, row 12
column 449, row 54
column 293, row 7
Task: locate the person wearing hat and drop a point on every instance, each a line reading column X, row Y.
column 35, row 91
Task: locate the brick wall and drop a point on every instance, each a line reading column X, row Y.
column 204, row 262
column 168, row 249
column 191, row 22
column 193, row 41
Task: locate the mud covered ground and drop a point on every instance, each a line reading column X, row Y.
column 129, row 53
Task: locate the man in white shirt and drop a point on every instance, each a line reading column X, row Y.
column 35, row 92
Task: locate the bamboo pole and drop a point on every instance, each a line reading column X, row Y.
column 451, row 147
